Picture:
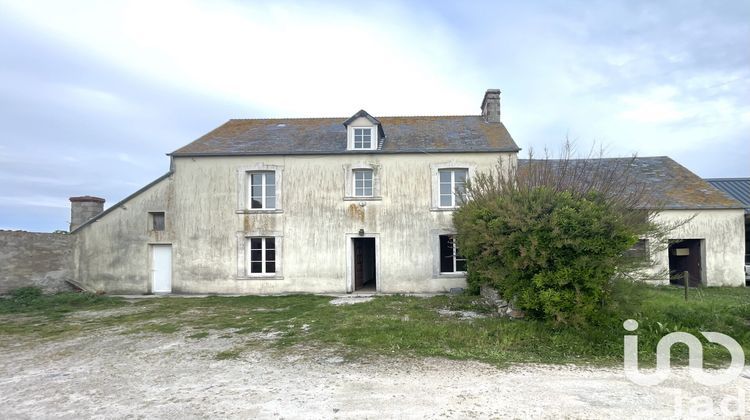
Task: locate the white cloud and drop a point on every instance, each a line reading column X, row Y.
column 95, row 87
column 656, row 106
column 34, row 201
column 43, row 180
column 92, row 100
column 284, row 58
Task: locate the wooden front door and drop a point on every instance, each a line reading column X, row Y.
column 364, row 264
column 359, row 264
column 686, row 255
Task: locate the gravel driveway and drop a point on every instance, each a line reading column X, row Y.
column 112, row 375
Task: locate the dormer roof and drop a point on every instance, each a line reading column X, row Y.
column 361, row 114
column 364, row 114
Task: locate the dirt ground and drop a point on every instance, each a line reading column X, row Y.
column 115, row 375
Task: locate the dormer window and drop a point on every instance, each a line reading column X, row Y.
column 363, row 138
column 363, row 132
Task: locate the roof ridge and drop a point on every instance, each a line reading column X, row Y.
column 345, row 118
column 728, row 179
column 601, row 158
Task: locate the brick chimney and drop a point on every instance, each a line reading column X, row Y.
column 491, row 106
column 84, row 208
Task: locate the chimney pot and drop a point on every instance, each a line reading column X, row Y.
column 84, row 208
column 491, row 106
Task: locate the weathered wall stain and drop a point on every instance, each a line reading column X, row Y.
column 356, row 212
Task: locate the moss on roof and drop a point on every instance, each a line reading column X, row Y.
column 668, row 184
column 328, row 136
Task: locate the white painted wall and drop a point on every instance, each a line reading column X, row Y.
column 315, row 220
column 207, row 224
column 723, row 233
column 112, row 254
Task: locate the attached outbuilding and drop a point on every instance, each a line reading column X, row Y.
column 707, row 236
column 738, row 189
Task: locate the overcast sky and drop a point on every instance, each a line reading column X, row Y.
column 93, row 94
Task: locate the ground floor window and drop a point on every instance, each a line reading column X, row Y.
column 262, row 255
column 639, row 251
column 451, row 260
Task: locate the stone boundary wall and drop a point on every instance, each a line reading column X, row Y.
column 43, row 260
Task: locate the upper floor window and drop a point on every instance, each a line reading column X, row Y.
column 263, row 190
column 363, row 183
column 452, row 186
column 451, row 260
column 156, row 221
column 363, row 138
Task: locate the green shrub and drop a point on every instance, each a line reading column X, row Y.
column 553, row 252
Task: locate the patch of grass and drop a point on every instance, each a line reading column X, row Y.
column 229, row 354
column 30, row 300
column 407, row 326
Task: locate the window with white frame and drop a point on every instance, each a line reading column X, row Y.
column 451, row 260
column 261, row 256
column 452, row 186
column 362, row 183
column 363, row 138
column 262, row 190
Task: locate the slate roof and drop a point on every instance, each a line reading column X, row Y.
column 737, row 188
column 328, row 136
column 670, row 185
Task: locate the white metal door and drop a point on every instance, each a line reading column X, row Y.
column 161, row 268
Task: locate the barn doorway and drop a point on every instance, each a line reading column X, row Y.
column 686, row 255
column 363, row 266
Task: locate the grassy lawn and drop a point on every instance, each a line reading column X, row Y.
column 391, row 325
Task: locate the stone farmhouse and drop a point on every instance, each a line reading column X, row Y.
column 340, row 205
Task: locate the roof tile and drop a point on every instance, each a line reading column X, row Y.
column 328, row 136
column 668, row 184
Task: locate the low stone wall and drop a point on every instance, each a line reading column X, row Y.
column 504, row 308
column 43, row 260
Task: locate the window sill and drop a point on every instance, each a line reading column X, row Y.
column 259, row 211
column 260, row 277
column 352, row 198
column 459, row 275
column 443, row 208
